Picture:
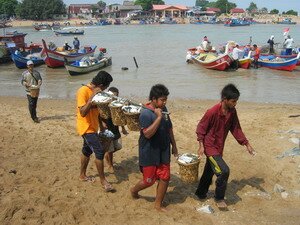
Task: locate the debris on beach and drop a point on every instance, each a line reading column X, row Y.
column 295, row 140
column 278, row 188
column 260, row 194
column 291, row 152
column 13, row 171
column 205, row 209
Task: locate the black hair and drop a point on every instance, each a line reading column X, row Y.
column 254, row 45
column 157, row 91
column 230, row 92
column 103, row 78
column 114, row 89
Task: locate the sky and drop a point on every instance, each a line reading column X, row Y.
column 281, row 5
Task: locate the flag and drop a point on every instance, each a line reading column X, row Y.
column 286, row 31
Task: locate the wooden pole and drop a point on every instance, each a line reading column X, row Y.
column 135, row 62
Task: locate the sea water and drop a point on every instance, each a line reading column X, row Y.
column 160, row 52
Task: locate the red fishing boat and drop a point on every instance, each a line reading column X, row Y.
column 55, row 56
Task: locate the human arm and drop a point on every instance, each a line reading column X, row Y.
column 151, row 130
column 84, row 109
column 200, row 149
column 124, row 131
column 202, row 129
column 173, row 143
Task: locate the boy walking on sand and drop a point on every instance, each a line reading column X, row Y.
column 156, row 135
column 211, row 132
column 116, row 143
column 88, row 124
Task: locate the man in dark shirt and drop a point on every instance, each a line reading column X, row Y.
column 211, row 132
column 154, row 145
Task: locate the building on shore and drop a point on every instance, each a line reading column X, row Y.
column 171, row 11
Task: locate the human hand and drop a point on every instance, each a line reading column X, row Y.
column 250, row 150
column 175, row 151
column 158, row 112
column 200, row 151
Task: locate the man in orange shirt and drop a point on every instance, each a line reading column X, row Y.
column 256, row 56
column 88, row 124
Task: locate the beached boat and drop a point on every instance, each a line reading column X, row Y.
column 20, row 58
column 55, row 58
column 286, row 21
column 69, row 32
column 282, row 56
column 245, row 63
column 212, row 61
column 278, row 63
column 86, row 66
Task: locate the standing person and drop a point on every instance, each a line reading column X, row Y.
column 88, row 124
column 256, row 56
column 236, row 52
column 271, row 44
column 31, row 79
column 116, row 144
column 288, row 43
column 154, row 145
column 67, row 47
column 212, row 131
column 76, row 44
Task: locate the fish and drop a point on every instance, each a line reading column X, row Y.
column 291, row 152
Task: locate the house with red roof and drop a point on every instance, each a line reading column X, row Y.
column 171, row 11
column 82, row 10
column 216, row 10
column 237, row 11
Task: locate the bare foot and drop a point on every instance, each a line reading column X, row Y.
column 134, row 194
column 107, row 186
column 87, row 179
column 222, row 205
column 161, row 209
column 110, row 169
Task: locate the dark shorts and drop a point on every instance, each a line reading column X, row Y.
column 91, row 143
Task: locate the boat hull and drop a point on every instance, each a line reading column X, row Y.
column 79, row 70
column 21, row 62
column 220, row 63
column 245, row 63
column 288, row 65
column 66, row 33
column 57, row 59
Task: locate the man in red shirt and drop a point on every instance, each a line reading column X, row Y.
column 256, row 56
column 211, row 132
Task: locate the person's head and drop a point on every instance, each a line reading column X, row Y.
column 75, row 37
column 159, row 95
column 66, row 42
column 255, row 46
column 30, row 65
column 114, row 90
column 102, row 80
column 230, row 95
column 272, row 37
column 288, row 36
column 237, row 46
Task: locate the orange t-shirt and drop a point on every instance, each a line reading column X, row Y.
column 89, row 123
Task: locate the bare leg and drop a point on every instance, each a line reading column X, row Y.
column 100, row 168
column 138, row 187
column 84, row 163
column 109, row 159
column 160, row 194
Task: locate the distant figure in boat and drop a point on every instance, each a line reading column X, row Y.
column 67, row 47
column 204, row 46
column 236, row 55
column 76, row 44
column 288, row 44
column 255, row 56
column 271, row 44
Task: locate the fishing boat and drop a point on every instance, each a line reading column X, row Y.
column 212, row 61
column 69, row 32
column 287, row 21
column 20, row 59
column 284, row 56
column 277, row 63
column 245, row 62
column 54, row 57
column 236, row 23
column 9, row 42
column 87, row 65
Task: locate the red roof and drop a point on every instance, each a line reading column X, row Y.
column 164, row 7
column 237, row 10
column 213, row 9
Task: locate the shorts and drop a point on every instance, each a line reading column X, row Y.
column 153, row 173
column 91, row 143
column 115, row 145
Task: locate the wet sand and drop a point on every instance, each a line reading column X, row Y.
column 39, row 169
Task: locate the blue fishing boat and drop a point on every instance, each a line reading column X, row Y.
column 277, row 63
column 237, row 23
column 69, row 32
column 20, row 59
column 286, row 21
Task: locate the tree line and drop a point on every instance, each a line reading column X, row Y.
column 46, row 9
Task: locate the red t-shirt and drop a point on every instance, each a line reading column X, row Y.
column 213, row 129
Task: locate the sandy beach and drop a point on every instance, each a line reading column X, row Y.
column 39, row 169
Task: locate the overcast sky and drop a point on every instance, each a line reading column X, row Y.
column 281, row 5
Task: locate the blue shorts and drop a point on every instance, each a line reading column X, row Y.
column 91, row 143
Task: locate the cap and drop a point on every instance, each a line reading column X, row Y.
column 29, row 62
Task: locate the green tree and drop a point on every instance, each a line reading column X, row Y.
column 201, row 3
column 40, row 9
column 264, row 10
column 8, row 7
column 291, row 12
column 101, row 4
column 274, row 11
column 147, row 4
column 223, row 5
column 252, row 7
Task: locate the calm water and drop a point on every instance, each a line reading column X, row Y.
column 160, row 52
